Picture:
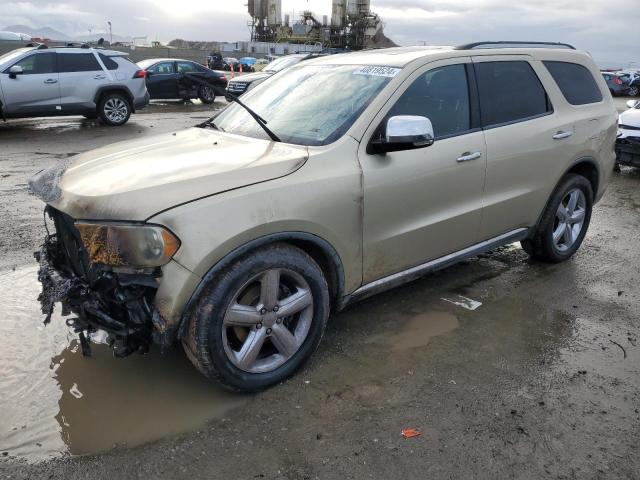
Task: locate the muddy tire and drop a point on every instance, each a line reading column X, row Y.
column 564, row 223
column 259, row 320
column 114, row 109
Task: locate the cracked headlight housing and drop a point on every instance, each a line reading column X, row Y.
column 128, row 245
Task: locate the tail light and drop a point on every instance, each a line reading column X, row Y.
column 140, row 74
column 223, row 78
column 617, row 81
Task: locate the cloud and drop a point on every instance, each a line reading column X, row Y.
column 594, row 26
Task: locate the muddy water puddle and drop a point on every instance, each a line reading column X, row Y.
column 418, row 331
column 55, row 401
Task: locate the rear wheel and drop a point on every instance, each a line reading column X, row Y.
column 206, row 94
column 260, row 320
column 564, row 222
column 114, row 109
column 634, row 91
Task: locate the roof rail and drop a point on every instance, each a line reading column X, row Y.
column 513, row 44
column 37, row 46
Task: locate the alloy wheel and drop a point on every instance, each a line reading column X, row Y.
column 569, row 220
column 633, row 91
column 267, row 321
column 116, row 110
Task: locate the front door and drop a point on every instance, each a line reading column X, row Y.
column 36, row 90
column 422, row 204
column 162, row 80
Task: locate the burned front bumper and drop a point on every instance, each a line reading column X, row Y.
column 628, row 150
column 96, row 297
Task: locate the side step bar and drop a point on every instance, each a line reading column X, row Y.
column 396, row 279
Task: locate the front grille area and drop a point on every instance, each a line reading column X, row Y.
column 237, row 87
column 70, row 245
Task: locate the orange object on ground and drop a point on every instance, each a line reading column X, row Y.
column 410, row 432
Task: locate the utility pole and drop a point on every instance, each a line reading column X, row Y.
column 110, row 34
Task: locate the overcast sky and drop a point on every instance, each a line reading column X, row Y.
column 610, row 34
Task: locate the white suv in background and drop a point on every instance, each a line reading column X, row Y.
column 37, row 81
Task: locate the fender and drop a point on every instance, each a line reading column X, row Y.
column 579, row 161
column 290, row 237
column 109, row 88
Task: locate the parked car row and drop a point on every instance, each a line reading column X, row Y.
column 625, row 82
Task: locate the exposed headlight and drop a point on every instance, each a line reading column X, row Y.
column 121, row 245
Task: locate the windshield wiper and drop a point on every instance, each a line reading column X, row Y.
column 261, row 121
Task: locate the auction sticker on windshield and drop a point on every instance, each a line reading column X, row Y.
column 377, row 71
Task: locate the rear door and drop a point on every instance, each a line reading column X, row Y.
column 528, row 142
column 162, row 81
column 36, row 91
column 81, row 76
column 422, row 204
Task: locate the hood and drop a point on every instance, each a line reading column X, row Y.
column 136, row 179
column 251, row 77
column 630, row 117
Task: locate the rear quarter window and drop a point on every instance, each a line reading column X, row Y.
column 575, row 82
column 108, row 62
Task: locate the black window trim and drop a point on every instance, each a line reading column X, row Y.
column 550, row 106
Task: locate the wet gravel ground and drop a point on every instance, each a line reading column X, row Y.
column 542, row 380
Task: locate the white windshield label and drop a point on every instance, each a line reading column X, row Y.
column 389, row 72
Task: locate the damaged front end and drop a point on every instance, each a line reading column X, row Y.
column 118, row 300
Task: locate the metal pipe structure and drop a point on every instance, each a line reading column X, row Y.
column 274, row 13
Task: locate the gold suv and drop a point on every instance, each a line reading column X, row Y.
column 331, row 181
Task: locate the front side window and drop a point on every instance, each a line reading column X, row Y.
column 162, row 68
column 441, row 95
column 186, row 67
column 509, row 92
column 78, row 62
column 576, row 82
column 38, row 63
column 309, row 104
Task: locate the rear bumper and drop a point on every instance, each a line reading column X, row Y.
column 140, row 103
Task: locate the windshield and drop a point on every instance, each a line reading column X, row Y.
column 308, row 105
column 7, row 57
column 282, row 63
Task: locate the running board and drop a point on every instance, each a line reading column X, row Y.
column 392, row 281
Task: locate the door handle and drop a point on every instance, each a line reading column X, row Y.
column 468, row 156
column 51, row 80
column 99, row 77
column 560, row 135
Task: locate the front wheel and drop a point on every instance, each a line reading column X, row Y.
column 114, row 109
column 206, row 95
column 260, row 320
column 564, row 222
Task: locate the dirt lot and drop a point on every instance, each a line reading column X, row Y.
column 541, row 380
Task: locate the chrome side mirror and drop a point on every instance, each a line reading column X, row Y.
column 15, row 70
column 404, row 132
column 633, row 103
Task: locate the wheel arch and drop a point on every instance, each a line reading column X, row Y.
column 586, row 167
column 323, row 253
column 122, row 89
